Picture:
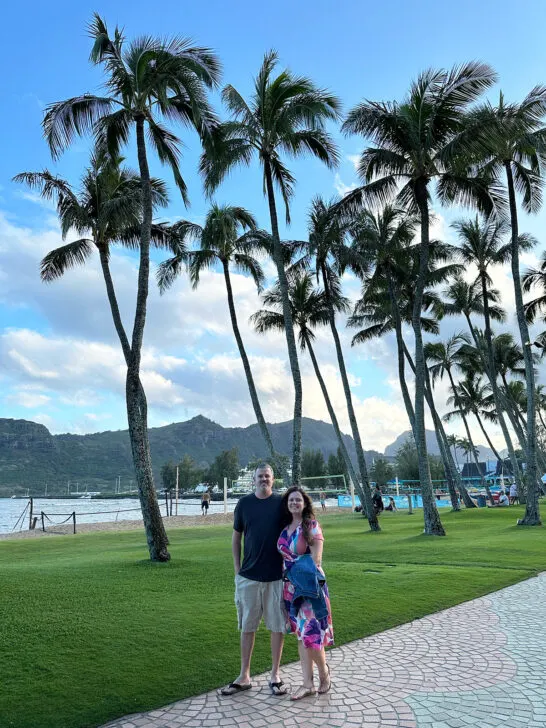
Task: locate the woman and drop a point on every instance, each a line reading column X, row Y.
column 300, row 541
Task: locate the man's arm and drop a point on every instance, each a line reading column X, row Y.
column 236, row 541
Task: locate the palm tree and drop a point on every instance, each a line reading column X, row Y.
column 445, row 357
column 229, row 237
column 481, row 244
column 309, row 309
column 285, row 116
column 383, row 241
column 108, row 210
column 328, row 254
column 416, row 143
column 147, row 78
column 510, row 142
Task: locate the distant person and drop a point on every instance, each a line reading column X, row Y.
column 205, row 503
column 257, row 522
column 392, row 505
column 305, row 592
column 377, row 501
column 514, row 493
column 503, row 499
column 438, row 493
column 322, row 499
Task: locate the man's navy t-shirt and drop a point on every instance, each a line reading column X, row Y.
column 260, row 520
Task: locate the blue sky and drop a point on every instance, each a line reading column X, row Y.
column 59, row 362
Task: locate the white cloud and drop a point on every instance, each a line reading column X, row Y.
column 341, row 187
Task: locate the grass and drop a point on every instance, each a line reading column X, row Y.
column 90, row 630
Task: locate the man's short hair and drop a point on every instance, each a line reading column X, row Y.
column 264, row 466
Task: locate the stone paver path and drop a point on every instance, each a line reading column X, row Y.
column 482, row 663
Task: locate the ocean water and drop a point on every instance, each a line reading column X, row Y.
column 93, row 510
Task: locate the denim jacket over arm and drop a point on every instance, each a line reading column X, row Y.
column 307, row 580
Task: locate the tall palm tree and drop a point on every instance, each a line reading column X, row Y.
column 510, row 140
column 146, row 80
column 107, row 211
column 481, row 244
column 444, row 358
column 285, row 116
column 383, row 240
column 416, row 145
column 309, row 310
column 229, row 237
column 327, row 253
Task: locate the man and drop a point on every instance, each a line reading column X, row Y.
column 258, row 581
column 377, row 501
column 503, row 499
column 514, row 493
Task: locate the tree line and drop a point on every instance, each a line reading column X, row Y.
column 440, row 145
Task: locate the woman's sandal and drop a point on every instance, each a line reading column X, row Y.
column 323, row 689
column 278, row 688
column 303, row 692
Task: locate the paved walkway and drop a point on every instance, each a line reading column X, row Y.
column 481, row 664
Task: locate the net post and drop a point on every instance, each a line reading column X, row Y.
column 31, row 504
column 225, row 495
column 43, row 522
column 74, row 520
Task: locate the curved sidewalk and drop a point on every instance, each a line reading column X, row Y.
column 481, row 663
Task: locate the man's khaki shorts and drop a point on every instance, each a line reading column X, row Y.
column 257, row 599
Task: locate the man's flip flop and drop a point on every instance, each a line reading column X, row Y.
column 234, row 688
column 277, row 688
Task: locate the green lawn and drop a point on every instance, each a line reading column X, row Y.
column 90, row 630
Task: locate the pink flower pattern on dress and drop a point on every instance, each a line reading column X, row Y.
column 314, row 633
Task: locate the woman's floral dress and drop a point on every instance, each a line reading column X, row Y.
column 314, row 633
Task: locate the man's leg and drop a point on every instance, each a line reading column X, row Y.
column 277, row 642
column 247, row 646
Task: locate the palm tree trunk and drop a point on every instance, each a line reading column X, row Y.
column 532, row 514
column 288, row 326
column 433, row 524
column 469, row 436
column 490, row 370
column 118, row 324
column 453, row 477
column 333, row 418
column 137, row 421
column 366, row 498
column 400, row 346
column 246, row 364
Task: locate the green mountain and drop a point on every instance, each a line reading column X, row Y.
column 31, row 456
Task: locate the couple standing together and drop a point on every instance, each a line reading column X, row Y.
column 281, row 579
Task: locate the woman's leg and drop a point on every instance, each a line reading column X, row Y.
column 319, row 658
column 306, row 661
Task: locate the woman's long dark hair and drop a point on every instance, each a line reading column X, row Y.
column 308, row 514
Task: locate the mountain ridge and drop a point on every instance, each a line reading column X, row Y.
column 30, row 454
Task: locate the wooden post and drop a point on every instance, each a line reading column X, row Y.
column 225, row 495
column 74, row 520
column 31, row 505
column 176, row 492
column 43, row 522
column 410, row 505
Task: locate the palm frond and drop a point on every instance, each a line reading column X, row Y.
column 61, row 259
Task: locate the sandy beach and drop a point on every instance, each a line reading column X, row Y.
column 213, row 519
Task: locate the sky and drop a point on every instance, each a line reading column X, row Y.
column 60, row 361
